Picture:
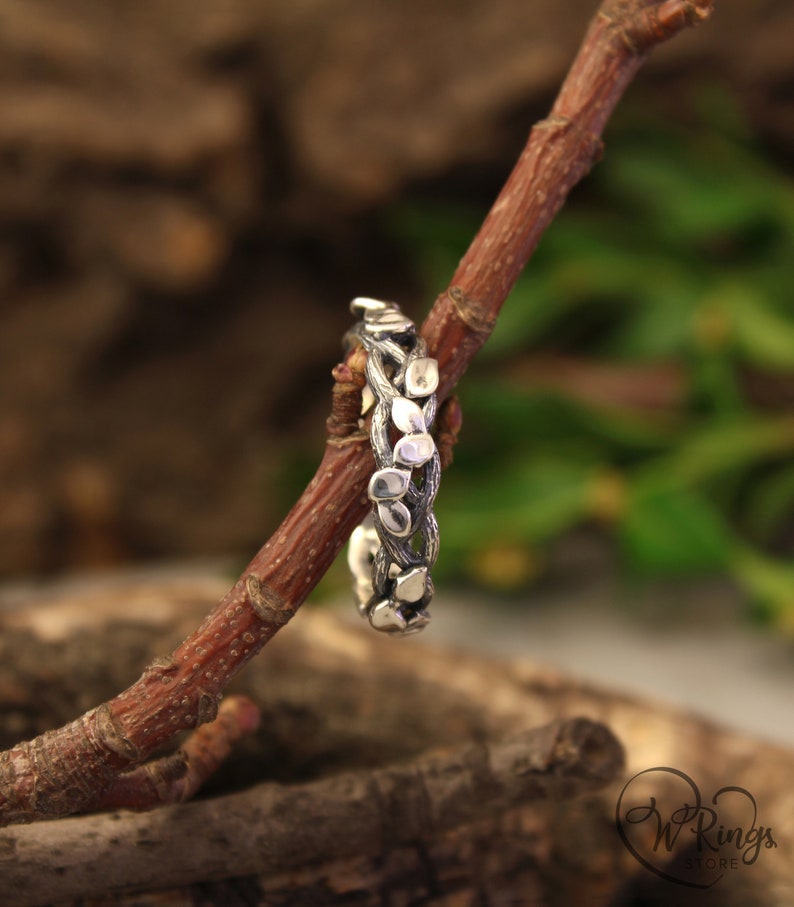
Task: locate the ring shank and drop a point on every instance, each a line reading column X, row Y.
column 392, row 553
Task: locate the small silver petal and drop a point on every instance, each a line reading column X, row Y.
column 389, row 321
column 410, row 585
column 396, row 518
column 417, row 622
column 414, row 450
column 386, row 617
column 367, row 399
column 407, row 415
column 421, row 377
column 362, row 305
column 361, row 551
column 388, row 484
column 363, row 596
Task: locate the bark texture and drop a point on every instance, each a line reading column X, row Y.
column 479, row 782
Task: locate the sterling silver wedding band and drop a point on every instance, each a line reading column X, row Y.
column 393, row 551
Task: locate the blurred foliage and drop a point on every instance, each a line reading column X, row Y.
column 670, row 269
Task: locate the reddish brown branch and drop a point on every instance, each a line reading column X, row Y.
column 178, row 776
column 447, row 429
column 560, row 151
column 61, row 771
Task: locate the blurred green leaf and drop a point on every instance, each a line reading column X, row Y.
column 715, row 387
column 700, row 188
column 762, row 335
column 553, row 495
column 772, row 502
column 721, row 449
column 672, row 530
column 543, row 420
column 677, row 251
column 659, row 324
column 484, row 530
column 769, row 584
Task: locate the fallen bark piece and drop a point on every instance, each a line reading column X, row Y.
column 380, row 774
column 274, row 827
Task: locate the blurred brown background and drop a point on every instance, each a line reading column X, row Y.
column 189, row 196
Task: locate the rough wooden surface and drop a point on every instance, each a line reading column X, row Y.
column 340, row 707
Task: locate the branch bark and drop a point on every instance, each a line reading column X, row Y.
column 327, row 695
column 359, row 814
column 178, row 776
column 62, row 771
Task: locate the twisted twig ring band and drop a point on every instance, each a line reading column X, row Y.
column 393, row 551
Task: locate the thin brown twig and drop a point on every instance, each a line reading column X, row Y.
column 178, row 776
column 61, row 771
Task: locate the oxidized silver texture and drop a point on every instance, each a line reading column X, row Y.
column 393, row 551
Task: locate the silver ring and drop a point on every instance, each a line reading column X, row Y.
column 393, row 551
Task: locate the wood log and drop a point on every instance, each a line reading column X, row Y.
column 381, row 773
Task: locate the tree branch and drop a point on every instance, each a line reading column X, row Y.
column 178, row 776
column 62, row 771
column 560, row 151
